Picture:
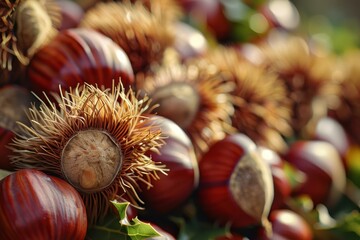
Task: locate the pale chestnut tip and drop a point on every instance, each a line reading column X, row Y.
column 91, row 160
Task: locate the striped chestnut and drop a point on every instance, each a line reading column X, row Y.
column 325, row 176
column 36, row 206
column 78, row 56
column 235, row 183
column 178, row 155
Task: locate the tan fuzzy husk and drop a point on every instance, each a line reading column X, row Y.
column 142, row 35
column 347, row 110
column 307, row 73
column 114, row 111
column 35, row 21
column 213, row 118
column 262, row 110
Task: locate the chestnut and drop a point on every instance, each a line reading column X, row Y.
column 287, row 224
column 78, row 56
column 71, row 14
column 178, row 155
column 330, row 130
column 282, row 186
column 325, row 177
column 210, row 13
column 36, row 206
column 189, row 42
column 235, row 183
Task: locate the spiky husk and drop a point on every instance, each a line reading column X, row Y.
column 347, row 112
column 13, row 43
column 307, row 75
column 167, row 10
column 213, row 118
column 262, row 110
column 142, row 35
column 118, row 113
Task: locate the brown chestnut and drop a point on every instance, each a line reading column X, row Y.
column 178, row 155
column 325, row 177
column 235, row 183
column 287, row 224
column 78, row 56
column 330, row 130
column 36, row 206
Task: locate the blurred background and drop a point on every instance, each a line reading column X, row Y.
column 336, row 22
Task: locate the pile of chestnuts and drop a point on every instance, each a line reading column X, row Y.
column 203, row 121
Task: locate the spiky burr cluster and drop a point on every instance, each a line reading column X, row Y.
column 261, row 109
column 347, row 110
column 104, row 131
column 194, row 96
column 305, row 72
column 35, row 22
column 134, row 29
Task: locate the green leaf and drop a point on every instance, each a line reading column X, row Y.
column 137, row 230
column 121, row 208
column 122, row 229
column 348, row 227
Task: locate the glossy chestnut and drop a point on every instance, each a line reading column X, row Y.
column 171, row 191
column 287, row 224
column 78, row 56
column 36, row 206
column 235, row 183
column 325, row 176
column 328, row 129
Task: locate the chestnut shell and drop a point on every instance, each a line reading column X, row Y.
column 216, row 195
column 37, row 206
column 77, row 56
column 178, row 154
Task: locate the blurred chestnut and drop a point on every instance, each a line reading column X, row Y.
column 325, row 177
column 36, row 206
column 210, row 14
column 235, row 183
column 282, row 14
column 282, row 186
column 330, row 130
column 287, row 224
column 78, row 56
column 189, row 42
column 170, row 191
column 14, row 100
column 71, row 14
